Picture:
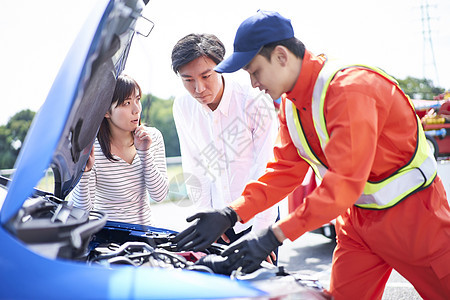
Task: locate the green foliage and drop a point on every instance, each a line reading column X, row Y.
column 417, row 88
column 157, row 112
column 12, row 136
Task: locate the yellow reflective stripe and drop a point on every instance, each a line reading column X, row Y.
column 317, row 105
column 404, row 183
column 309, row 157
column 297, row 136
column 301, row 134
column 383, row 198
column 323, row 136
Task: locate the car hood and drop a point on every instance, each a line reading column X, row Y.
column 64, row 129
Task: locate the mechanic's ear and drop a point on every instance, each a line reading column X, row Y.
column 281, row 55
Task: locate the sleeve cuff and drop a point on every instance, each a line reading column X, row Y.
column 86, row 175
column 240, row 208
column 291, row 227
column 145, row 155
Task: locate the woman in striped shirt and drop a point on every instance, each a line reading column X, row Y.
column 127, row 163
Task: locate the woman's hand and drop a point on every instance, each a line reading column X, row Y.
column 91, row 161
column 142, row 139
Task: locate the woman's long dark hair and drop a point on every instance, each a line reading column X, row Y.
column 125, row 87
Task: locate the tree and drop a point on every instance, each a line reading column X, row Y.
column 157, row 112
column 12, row 136
column 417, row 88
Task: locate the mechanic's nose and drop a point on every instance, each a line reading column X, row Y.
column 254, row 82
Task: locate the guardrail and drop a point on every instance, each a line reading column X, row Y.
column 173, row 160
column 47, row 182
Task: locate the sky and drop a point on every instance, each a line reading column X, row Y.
column 36, row 36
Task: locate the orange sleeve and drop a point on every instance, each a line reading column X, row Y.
column 283, row 174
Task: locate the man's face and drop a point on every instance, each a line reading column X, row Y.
column 202, row 82
column 265, row 75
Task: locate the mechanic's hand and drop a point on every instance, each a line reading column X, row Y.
column 271, row 258
column 209, row 227
column 250, row 250
column 218, row 264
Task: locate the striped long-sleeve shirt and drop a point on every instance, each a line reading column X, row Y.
column 121, row 189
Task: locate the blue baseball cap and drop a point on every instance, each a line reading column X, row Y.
column 260, row 29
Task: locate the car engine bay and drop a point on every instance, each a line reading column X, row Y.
column 53, row 228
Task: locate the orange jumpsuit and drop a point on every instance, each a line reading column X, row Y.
column 372, row 132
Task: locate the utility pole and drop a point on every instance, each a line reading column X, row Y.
column 427, row 40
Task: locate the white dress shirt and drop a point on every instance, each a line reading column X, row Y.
column 224, row 149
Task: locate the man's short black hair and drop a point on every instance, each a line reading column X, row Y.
column 293, row 44
column 194, row 46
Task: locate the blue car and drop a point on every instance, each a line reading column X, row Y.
column 52, row 250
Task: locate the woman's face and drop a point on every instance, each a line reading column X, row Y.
column 202, row 82
column 126, row 116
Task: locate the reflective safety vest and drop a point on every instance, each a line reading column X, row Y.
column 417, row 174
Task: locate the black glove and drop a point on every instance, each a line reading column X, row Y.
column 217, row 264
column 250, row 250
column 209, row 227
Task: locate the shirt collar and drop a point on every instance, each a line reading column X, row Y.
column 224, row 105
column 304, row 86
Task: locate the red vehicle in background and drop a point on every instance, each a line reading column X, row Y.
column 296, row 198
column 435, row 117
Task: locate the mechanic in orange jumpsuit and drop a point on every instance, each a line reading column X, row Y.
column 359, row 132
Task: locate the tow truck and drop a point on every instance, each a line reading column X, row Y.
column 435, row 118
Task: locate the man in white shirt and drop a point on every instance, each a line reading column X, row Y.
column 226, row 130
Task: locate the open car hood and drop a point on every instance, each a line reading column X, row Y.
column 63, row 131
